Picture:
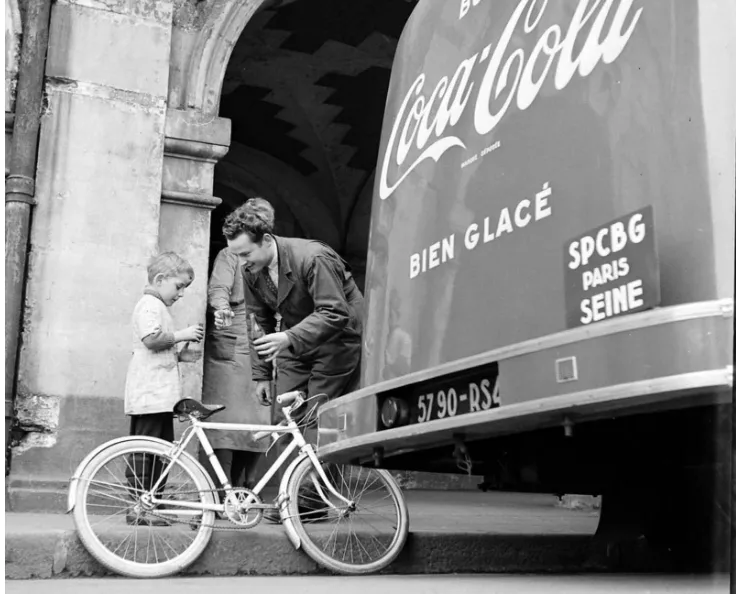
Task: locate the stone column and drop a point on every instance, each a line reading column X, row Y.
column 194, row 143
column 96, row 224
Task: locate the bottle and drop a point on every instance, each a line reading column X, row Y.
column 256, row 332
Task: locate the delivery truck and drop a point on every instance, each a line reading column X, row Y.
column 549, row 293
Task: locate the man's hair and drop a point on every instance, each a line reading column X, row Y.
column 256, row 218
column 169, row 264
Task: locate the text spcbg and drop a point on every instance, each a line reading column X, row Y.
column 612, row 270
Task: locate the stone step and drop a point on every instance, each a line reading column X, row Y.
column 450, row 532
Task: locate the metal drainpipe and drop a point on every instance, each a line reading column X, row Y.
column 20, row 185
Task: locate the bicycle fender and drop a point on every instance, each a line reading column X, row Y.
column 286, row 521
column 72, row 495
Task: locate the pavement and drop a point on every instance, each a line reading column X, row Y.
column 450, row 532
column 382, row 584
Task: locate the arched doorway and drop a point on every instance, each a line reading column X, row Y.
column 305, row 89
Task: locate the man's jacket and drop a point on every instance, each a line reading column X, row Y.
column 320, row 305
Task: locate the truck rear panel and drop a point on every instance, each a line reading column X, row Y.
column 553, row 221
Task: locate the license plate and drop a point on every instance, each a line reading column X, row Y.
column 452, row 396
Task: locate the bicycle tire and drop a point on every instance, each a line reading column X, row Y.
column 313, row 549
column 109, row 558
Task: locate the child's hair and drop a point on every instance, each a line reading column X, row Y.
column 256, row 218
column 169, row 264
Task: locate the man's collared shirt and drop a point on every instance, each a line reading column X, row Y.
column 273, row 267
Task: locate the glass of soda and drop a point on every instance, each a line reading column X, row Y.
column 223, row 318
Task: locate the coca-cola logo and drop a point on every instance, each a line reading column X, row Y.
column 424, row 124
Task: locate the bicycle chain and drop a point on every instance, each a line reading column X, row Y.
column 228, row 528
column 224, row 528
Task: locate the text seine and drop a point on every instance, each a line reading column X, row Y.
column 509, row 219
column 425, row 120
column 611, row 301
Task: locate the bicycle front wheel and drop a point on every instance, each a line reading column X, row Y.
column 359, row 537
column 120, row 527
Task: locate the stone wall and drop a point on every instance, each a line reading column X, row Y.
column 95, row 226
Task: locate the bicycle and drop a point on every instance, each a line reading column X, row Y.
column 165, row 492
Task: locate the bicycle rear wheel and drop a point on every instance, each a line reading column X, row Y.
column 360, row 538
column 126, row 533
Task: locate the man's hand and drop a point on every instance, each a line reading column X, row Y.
column 263, row 393
column 271, row 345
column 224, row 318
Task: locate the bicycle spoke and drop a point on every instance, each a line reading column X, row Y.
column 357, row 496
column 386, row 496
column 127, row 547
column 148, row 548
column 367, row 533
column 118, row 481
column 376, row 540
column 121, row 544
column 362, row 547
column 347, row 545
column 334, row 533
column 370, row 524
column 115, row 515
column 375, row 513
column 109, row 496
column 170, row 548
column 134, row 474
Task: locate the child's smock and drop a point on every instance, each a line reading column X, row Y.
column 153, row 384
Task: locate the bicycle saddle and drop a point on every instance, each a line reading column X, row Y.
column 190, row 406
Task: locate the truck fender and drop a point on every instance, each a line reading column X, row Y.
column 72, row 495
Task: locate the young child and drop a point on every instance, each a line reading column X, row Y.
column 153, row 384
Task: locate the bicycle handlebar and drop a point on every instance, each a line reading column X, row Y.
column 288, row 397
column 290, row 401
column 296, row 398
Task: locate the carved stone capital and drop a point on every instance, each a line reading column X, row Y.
column 192, row 134
column 193, row 143
column 196, row 200
column 191, row 149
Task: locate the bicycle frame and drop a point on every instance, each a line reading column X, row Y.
column 196, row 429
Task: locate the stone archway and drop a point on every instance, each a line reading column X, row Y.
column 246, row 169
column 202, row 42
column 245, row 172
column 329, row 196
column 199, row 60
column 323, row 130
column 308, row 137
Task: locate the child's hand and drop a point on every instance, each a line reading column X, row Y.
column 193, row 333
column 187, row 355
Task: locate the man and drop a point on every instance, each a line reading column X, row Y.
column 317, row 349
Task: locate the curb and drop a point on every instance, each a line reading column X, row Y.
column 580, row 502
column 60, row 554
